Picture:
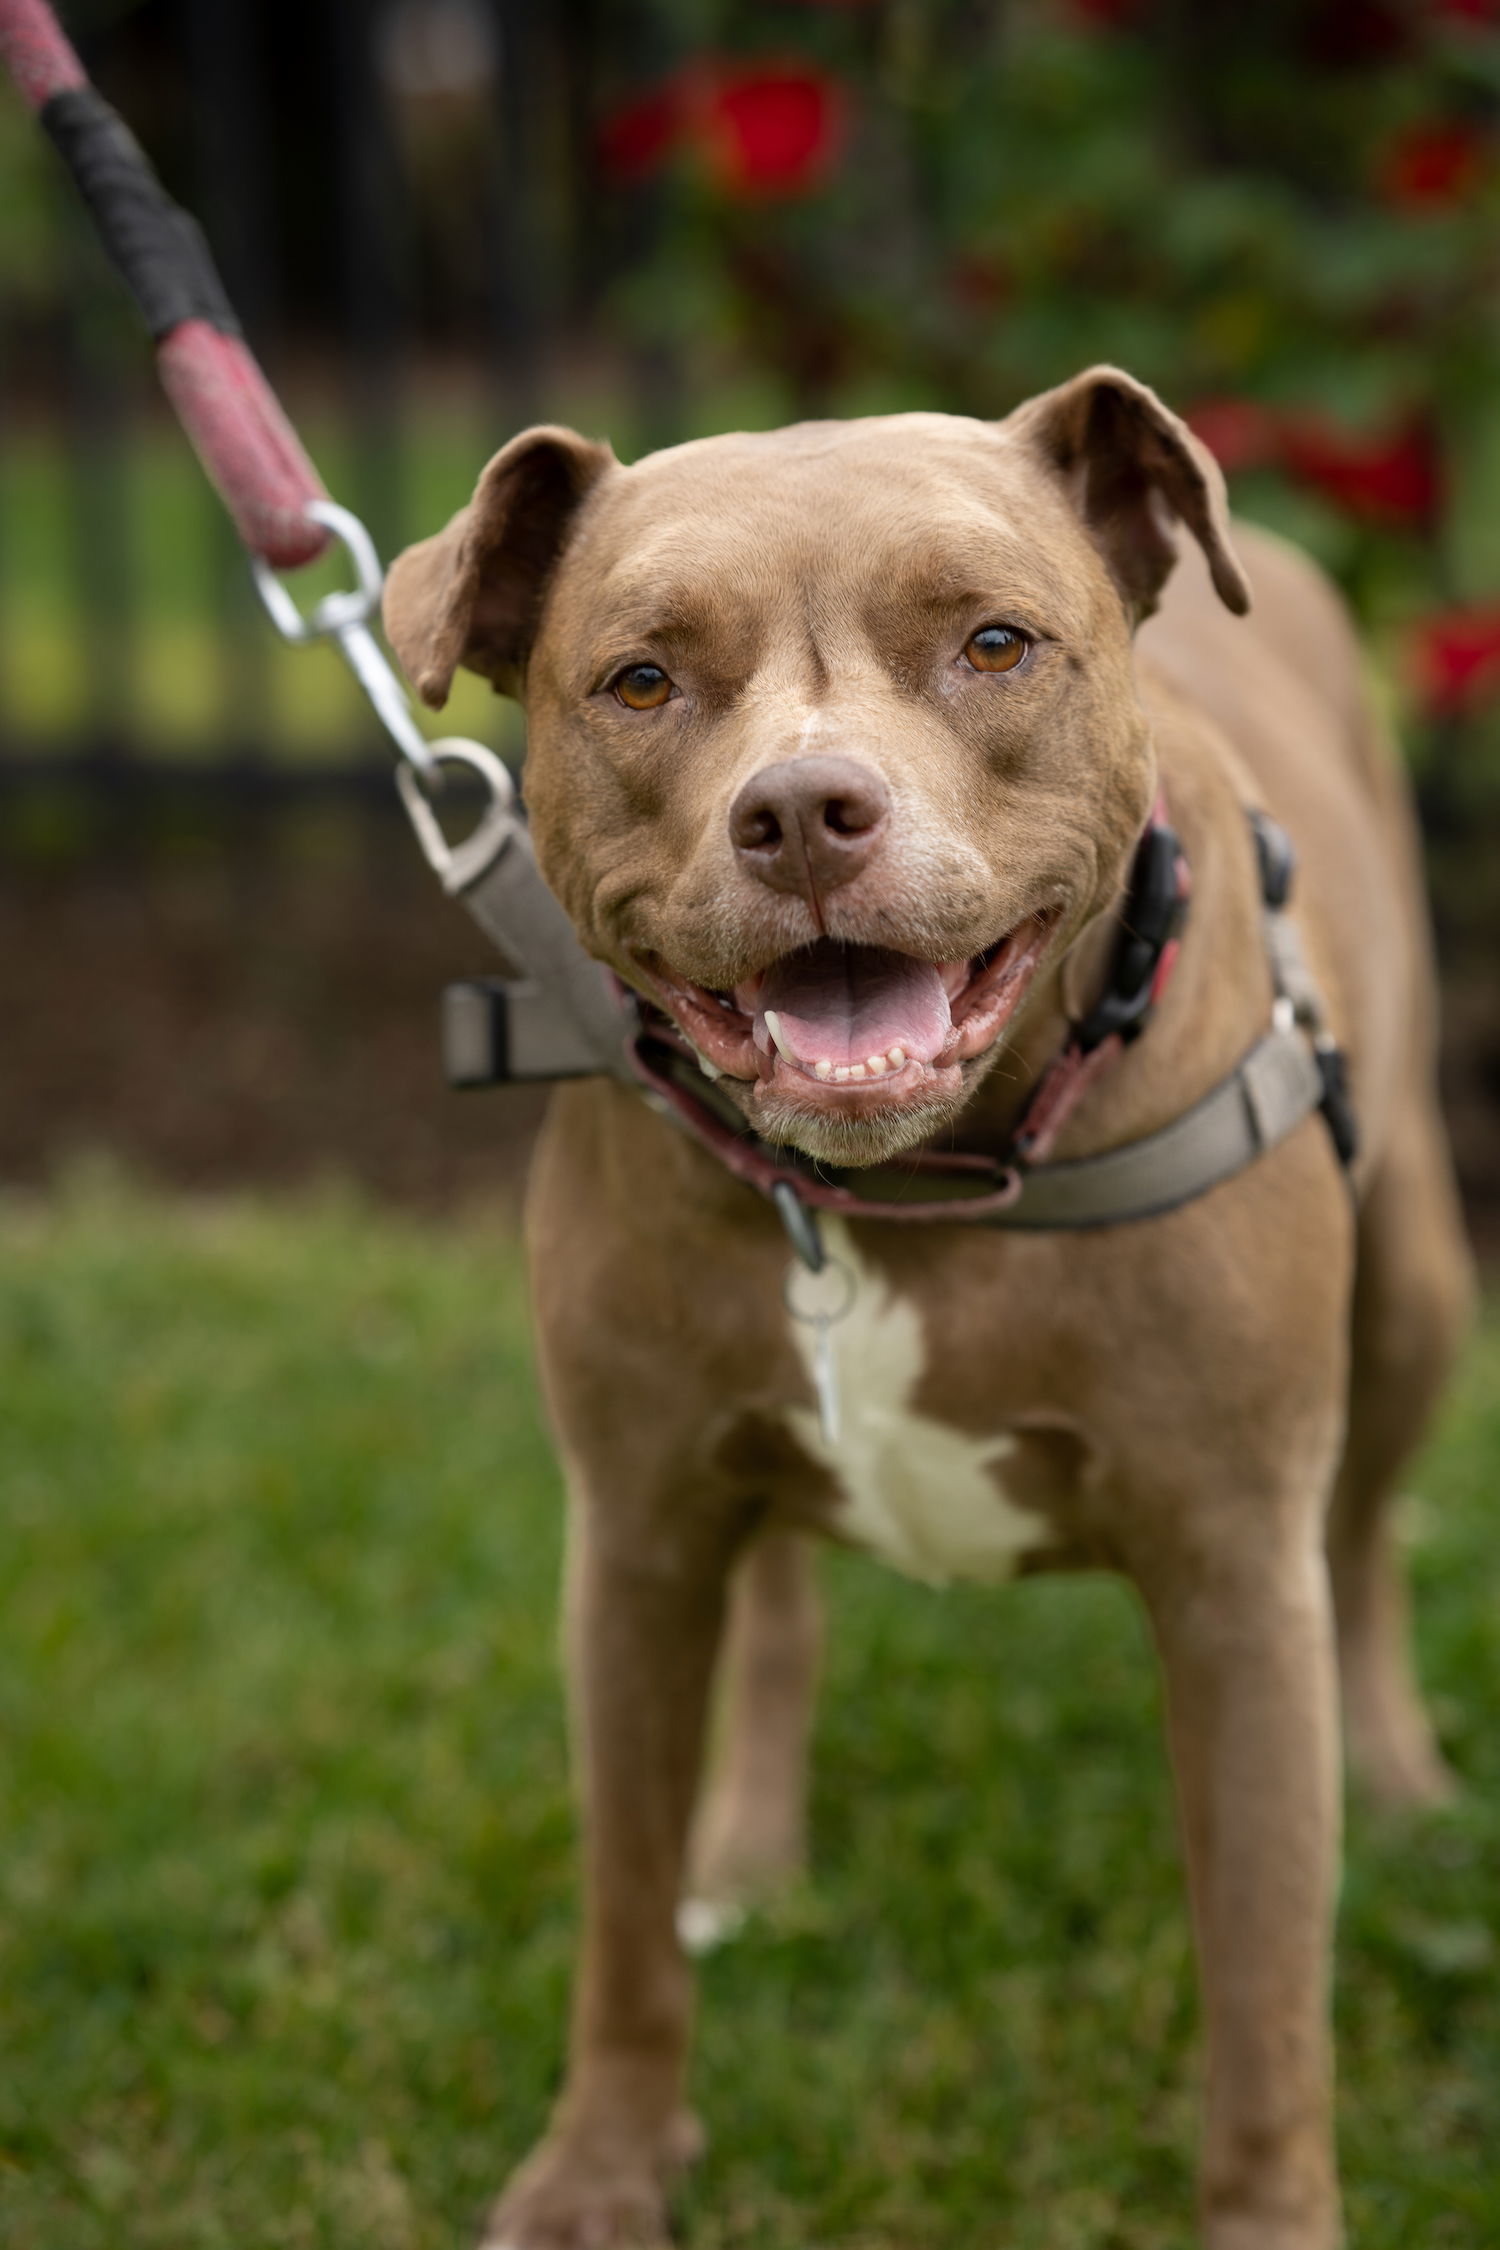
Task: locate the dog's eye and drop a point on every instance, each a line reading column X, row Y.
column 995, row 648
column 641, row 687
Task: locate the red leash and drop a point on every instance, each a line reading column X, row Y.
column 229, row 411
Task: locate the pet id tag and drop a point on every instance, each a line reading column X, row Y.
column 819, row 1301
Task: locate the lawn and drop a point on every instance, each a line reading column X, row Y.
column 286, row 1894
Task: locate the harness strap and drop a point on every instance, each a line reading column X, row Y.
column 1264, row 1098
column 557, row 1012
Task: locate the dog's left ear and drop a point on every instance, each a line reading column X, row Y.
column 473, row 594
column 1130, row 465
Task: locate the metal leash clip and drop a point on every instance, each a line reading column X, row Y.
column 343, row 617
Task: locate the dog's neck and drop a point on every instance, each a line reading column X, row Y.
column 1215, row 1003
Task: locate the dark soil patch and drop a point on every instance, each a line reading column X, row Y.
column 210, row 1026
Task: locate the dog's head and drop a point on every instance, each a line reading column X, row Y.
column 833, row 730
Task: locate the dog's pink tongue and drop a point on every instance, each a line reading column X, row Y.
column 844, row 1003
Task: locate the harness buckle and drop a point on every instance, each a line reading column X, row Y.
column 1337, row 1105
column 1276, row 858
column 1150, row 920
column 1298, row 1003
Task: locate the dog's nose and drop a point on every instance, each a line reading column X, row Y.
column 809, row 824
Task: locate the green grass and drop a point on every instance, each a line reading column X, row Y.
column 286, row 1891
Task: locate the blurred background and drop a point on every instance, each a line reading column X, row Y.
column 441, row 219
column 285, row 1900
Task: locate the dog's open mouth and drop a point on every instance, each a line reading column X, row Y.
column 846, row 1027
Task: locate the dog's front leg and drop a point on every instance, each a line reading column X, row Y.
column 1244, row 1629
column 750, row 1834
column 643, row 1625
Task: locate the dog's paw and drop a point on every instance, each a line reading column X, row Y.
column 1393, row 1757
column 559, row 2202
column 744, row 1854
column 572, row 2196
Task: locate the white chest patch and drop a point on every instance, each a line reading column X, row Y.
column 921, row 1495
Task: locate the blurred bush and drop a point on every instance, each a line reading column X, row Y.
column 1287, row 217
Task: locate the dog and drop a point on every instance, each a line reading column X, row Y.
column 843, row 740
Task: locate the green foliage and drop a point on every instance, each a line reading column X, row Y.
column 1293, row 209
column 286, row 1902
column 1217, row 199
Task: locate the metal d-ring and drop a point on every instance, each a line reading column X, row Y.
column 458, row 865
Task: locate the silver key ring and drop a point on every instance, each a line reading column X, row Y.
column 343, row 617
column 336, row 612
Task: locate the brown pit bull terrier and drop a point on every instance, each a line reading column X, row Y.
column 841, row 744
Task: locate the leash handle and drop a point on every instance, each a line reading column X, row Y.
column 37, row 54
column 229, row 411
column 252, row 455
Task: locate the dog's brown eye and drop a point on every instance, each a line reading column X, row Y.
column 995, row 648
column 643, row 686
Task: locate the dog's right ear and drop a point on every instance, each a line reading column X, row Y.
column 473, row 594
column 1131, row 467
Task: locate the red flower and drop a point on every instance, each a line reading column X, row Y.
column 1467, row 11
column 764, row 130
column 1457, row 654
column 1431, row 166
column 1392, row 477
column 1239, row 432
column 773, row 132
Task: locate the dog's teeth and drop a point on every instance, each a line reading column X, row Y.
column 896, row 1057
column 856, row 1070
column 841, row 1074
column 773, row 1025
column 822, row 1068
column 875, row 1065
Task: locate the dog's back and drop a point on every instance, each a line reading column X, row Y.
column 1289, row 689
